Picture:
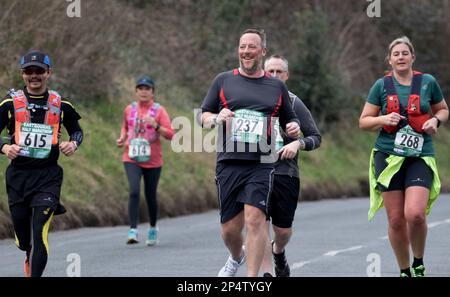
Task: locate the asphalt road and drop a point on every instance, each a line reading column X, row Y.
column 331, row 238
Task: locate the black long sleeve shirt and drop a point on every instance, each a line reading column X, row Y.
column 311, row 137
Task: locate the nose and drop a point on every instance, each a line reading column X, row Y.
column 245, row 49
column 273, row 74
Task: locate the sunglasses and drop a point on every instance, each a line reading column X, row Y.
column 37, row 70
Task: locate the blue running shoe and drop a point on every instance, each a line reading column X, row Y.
column 152, row 238
column 132, row 236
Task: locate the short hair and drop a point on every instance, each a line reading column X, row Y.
column 260, row 33
column 276, row 56
column 400, row 40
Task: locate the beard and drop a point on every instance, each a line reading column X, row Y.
column 252, row 69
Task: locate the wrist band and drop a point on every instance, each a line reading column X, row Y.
column 438, row 121
column 75, row 143
column 157, row 127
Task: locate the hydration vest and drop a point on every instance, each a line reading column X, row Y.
column 22, row 112
column 136, row 129
column 415, row 117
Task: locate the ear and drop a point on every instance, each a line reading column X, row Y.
column 264, row 52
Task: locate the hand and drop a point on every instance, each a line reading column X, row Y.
column 224, row 115
column 150, row 120
column 289, row 150
column 430, row 126
column 392, row 119
column 293, row 130
column 121, row 141
column 11, row 151
column 67, row 148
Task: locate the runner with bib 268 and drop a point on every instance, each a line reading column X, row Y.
column 403, row 172
column 243, row 102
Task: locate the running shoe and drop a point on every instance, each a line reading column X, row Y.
column 132, row 236
column 152, row 236
column 281, row 265
column 418, row 271
column 231, row 267
column 404, row 275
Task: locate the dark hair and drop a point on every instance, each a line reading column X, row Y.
column 260, row 33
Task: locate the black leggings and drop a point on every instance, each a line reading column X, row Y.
column 151, row 178
column 31, row 228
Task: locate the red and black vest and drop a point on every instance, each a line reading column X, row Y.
column 22, row 112
column 415, row 117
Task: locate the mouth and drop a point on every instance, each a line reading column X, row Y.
column 246, row 58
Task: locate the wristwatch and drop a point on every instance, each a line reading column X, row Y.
column 302, row 144
column 157, row 127
column 438, row 121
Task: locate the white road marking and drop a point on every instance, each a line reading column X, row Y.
column 298, row 265
column 334, row 253
column 434, row 224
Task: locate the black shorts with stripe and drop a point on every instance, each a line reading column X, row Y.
column 413, row 172
column 243, row 182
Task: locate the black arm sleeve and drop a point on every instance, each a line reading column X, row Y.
column 70, row 121
column 77, row 136
column 311, row 134
column 5, row 109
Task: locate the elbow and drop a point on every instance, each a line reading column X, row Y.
column 319, row 141
column 362, row 125
column 170, row 133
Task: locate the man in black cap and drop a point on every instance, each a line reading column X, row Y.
column 33, row 118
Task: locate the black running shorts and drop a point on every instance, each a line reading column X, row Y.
column 35, row 187
column 413, row 172
column 283, row 201
column 243, row 182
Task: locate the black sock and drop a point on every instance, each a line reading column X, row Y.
column 417, row 262
column 406, row 271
